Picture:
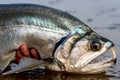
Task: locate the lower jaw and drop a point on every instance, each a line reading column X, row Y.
column 97, row 67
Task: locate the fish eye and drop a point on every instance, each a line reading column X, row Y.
column 95, row 45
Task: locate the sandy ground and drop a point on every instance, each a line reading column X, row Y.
column 103, row 16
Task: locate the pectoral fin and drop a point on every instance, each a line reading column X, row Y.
column 26, row 64
column 4, row 62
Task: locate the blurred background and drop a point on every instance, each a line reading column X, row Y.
column 103, row 16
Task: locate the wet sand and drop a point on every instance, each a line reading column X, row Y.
column 103, row 16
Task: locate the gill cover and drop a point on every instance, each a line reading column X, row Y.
column 62, row 53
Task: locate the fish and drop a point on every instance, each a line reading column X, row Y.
column 71, row 45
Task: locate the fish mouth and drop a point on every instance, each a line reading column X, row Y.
column 99, row 64
column 107, row 59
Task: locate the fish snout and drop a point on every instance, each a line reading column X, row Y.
column 109, row 44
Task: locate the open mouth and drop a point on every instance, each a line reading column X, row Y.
column 105, row 58
column 101, row 63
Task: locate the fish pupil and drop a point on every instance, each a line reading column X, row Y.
column 95, row 45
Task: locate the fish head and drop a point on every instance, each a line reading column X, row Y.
column 80, row 52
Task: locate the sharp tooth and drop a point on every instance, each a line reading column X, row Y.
column 113, row 52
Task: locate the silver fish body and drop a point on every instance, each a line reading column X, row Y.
column 43, row 27
column 31, row 24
